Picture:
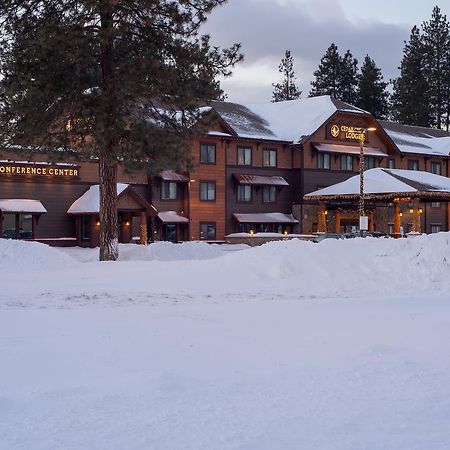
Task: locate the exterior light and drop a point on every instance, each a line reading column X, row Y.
column 127, row 223
column 420, row 210
column 326, row 212
column 411, row 210
column 371, row 129
column 252, row 233
column 401, row 214
column 97, row 223
column 285, row 232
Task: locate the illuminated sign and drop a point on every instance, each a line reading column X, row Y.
column 39, row 170
column 347, row 132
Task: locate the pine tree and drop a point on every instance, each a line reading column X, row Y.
column 328, row 74
column 410, row 97
column 436, row 44
column 287, row 89
column 372, row 94
column 115, row 80
column 348, row 79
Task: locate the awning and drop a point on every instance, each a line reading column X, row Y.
column 336, row 148
column 172, row 217
column 171, row 175
column 20, row 205
column 265, row 218
column 260, row 180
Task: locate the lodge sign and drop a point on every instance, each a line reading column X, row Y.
column 346, row 132
column 40, row 170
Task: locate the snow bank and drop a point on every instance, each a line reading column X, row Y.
column 26, row 256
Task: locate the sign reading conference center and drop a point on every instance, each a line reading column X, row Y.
column 345, row 132
column 39, row 170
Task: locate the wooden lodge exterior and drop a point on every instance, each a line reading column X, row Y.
column 251, row 172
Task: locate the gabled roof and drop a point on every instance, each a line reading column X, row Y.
column 386, row 183
column 89, row 202
column 21, row 205
column 288, row 121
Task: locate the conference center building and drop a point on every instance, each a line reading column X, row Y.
column 282, row 167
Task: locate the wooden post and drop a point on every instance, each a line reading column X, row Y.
column 397, row 219
column 416, row 216
column 1, row 224
column 143, row 229
column 337, row 221
column 371, row 221
column 33, row 226
column 17, row 233
column 322, row 218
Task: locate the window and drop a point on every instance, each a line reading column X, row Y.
column 269, row 157
column 208, row 231
column 208, row 153
column 436, row 167
column 369, row 162
column 346, row 162
column 436, row 227
column 244, row 156
column 269, row 194
column 324, row 160
column 391, row 163
column 169, row 190
column 413, row 164
column 435, row 204
column 390, row 228
column 208, row 191
column 244, row 193
column 85, row 227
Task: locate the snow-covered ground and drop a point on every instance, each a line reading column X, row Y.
column 292, row 345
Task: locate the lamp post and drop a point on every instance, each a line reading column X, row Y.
column 363, row 220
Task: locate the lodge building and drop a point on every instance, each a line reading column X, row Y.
column 252, row 170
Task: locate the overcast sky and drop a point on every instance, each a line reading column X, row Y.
column 266, row 28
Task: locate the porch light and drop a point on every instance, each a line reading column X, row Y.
column 411, row 210
column 401, row 214
column 97, row 223
column 252, row 233
column 285, row 232
column 420, row 210
column 127, row 223
column 326, row 212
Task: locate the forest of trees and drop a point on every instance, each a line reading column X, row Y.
column 420, row 95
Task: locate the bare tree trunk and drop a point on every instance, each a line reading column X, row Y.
column 109, row 228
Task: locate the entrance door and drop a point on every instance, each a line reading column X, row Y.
column 169, row 233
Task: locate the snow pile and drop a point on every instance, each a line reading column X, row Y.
column 24, row 256
column 168, row 251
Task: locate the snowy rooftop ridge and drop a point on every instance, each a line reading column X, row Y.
column 387, row 181
column 287, row 121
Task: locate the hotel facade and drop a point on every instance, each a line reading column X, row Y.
column 252, row 170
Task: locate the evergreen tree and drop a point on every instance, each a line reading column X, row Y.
column 328, row 75
column 410, row 98
column 348, row 79
column 115, row 80
column 436, row 44
column 372, row 94
column 287, row 89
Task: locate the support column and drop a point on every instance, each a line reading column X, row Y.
column 1, row 224
column 143, row 229
column 416, row 216
column 372, row 216
column 337, row 222
column 397, row 219
column 322, row 218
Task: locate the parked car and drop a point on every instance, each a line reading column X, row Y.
column 322, row 237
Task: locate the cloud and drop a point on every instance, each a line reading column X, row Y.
column 266, row 28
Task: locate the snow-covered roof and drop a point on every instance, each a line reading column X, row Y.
column 419, row 140
column 387, row 181
column 274, row 217
column 287, row 121
column 20, row 205
column 172, row 217
column 89, row 202
column 339, row 148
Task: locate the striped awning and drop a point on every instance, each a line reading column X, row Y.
column 260, row 180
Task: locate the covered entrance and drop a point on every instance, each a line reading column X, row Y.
column 396, row 201
column 19, row 218
column 265, row 222
column 173, row 226
column 133, row 216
